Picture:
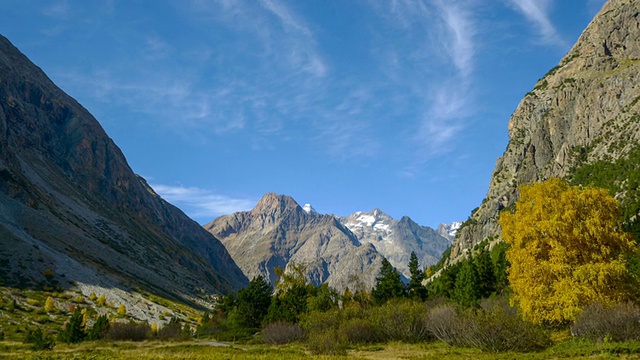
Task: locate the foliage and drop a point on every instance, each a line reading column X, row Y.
column 327, row 343
column 359, row 331
column 415, row 289
column 486, row 274
column 174, row 331
column 501, row 266
column 73, row 330
column 495, row 328
column 400, row 320
column 620, row 322
column 49, row 305
column 566, row 250
column 289, row 305
column 324, row 298
column 99, row 329
column 39, row 340
column 122, row 310
column 467, row 286
column 282, row 333
column 620, row 176
column 388, row 284
column 253, row 302
column 130, row 331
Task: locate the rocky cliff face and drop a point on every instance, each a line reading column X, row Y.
column 278, row 232
column 584, row 110
column 70, row 202
column 396, row 239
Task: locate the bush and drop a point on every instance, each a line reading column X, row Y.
column 99, row 329
column 130, row 331
column 327, row 343
column 318, row 321
column 501, row 328
column 401, row 320
column 496, row 328
column 618, row 323
column 173, row 331
column 73, row 331
column 39, row 340
column 282, row 333
column 359, row 331
column 444, row 323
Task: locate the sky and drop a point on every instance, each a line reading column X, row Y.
column 348, row 105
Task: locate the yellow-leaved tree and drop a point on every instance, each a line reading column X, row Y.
column 567, row 250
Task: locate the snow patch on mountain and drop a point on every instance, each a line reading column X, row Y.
column 309, row 209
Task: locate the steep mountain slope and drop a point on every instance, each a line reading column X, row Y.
column 585, row 111
column 278, row 232
column 69, row 202
column 396, row 239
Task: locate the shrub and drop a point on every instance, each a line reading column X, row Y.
column 39, row 340
column 122, row 310
column 102, row 300
column 359, row 331
column 501, row 328
column 326, row 343
column 173, row 331
column 130, row 331
column 618, row 323
column 496, row 328
column 49, row 305
column 401, row 320
column 444, row 323
column 318, row 321
column 282, row 333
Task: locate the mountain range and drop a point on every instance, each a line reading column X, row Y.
column 72, row 208
column 341, row 251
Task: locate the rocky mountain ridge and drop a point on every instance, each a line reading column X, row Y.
column 343, row 252
column 70, row 203
column 583, row 111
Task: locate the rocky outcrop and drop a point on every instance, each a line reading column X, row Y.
column 69, row 202
column 584, row 110
column 279, row 233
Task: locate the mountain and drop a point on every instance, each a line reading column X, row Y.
column 341, row 251
column 396, row 239
column 581, row 121
column 449, row 231
column 73, row 213
column 278, row 232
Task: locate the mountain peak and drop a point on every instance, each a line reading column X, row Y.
column 272, row 202
column 309, row 209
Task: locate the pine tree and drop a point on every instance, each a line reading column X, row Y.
column 416, row 289
column 49, row 305
column 253, row 302
column 99, row 329
column 486, row 274
column 72, row 331
column 466, row 291
column 388, row 284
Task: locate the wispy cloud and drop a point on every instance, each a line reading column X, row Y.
column 537, row 12
column 202, row 203
column 59, row 9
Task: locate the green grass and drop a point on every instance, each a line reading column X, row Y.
column 573, row 349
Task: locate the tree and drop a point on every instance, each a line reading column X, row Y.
column 49, row 305
column 467, row 288
column 72, row 331
column 122, row 310
column 99, row 329
column 324, row 299
column 486, row 274
column 388, row 284
column 253, row 302
column 566, row 250
column 416, row 289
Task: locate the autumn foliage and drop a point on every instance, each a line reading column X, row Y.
column 567, row 250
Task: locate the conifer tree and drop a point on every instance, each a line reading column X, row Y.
column 466, row 291
column 388, row 284
column 253, row 302
column 416, row 289
column 486, row 274
column 73, row 331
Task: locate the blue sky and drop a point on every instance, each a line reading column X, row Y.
column 349, row 105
